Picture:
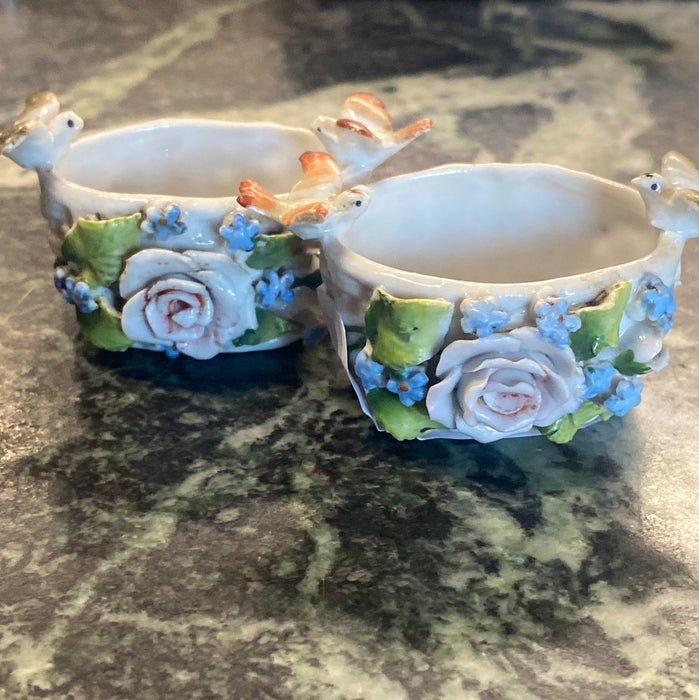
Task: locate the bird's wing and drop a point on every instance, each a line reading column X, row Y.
column 369, row 110
column 306, row 213
column 413, row 130
column 11, row 138
column 254, row 195
column 688, row 194
column 43, row 106
column 320, row 172
column 680, row 171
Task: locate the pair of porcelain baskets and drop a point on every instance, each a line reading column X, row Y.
column 464, row 301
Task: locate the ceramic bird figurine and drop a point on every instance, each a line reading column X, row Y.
column 41, row 133
column 672, row 195
column 314, row 206
column 363, row 137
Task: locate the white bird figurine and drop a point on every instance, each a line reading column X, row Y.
column 363, row 137
column 41, row 133
column 672, row 195
column 314, row 206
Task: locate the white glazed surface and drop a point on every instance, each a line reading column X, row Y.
column 510, row 231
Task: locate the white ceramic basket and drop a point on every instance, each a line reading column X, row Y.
column 492, row 301
column 153, row 249
column 465, row 301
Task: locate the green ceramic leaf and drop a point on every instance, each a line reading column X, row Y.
column 625, row 364
column 269, row 326
column 403, row 422
column 99, row 247
column 103, row 327
column 405, row 332
column 272, row 251
column 564, row 428
column 599, row 323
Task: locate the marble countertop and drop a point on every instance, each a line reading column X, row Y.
column 236, row 528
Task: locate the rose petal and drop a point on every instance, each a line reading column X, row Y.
column 168, row 299
column 133, row 319
column 200, row 300
column 235, row 305
column 461, row 351
column 504, row 385
column 440, row 401
column 151, row 264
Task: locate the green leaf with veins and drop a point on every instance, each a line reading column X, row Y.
column 565, row 427
column 99, row 248
column 273, row 250
column 102, row 327
column 405, row 332
column 599, row 322
column 269, row 327
column 625, row 364
column 403, row 422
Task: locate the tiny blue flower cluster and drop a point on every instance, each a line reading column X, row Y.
column 163, row 223
column 73, row 291
column 482, row 317
column 659, row 302
column 554, row 322
column 409, row 384
column 626, row 396
column 274, row 286
column 598, row 379
column 239, row 232
column 370, row 373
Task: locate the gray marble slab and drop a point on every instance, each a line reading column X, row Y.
column 236, row 528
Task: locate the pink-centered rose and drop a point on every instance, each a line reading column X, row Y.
column 504, row 385
column 197, row 302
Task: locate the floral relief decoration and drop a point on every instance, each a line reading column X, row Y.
column 562, row 368
column 128, row 293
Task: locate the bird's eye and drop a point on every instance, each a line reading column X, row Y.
column 655, row 187
column 358, row 203
column 70, row 123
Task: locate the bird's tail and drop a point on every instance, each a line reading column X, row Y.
column 366, row 108
column 253, row 194
column 413, row 130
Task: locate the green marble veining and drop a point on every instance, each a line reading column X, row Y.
column 236, row 528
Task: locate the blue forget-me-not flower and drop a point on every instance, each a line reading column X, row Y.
column 659, row 302
column 627, row 394
column 274, row 286
column 163, row 222
column 74, row 291
column 482, row 317
column 598, row 379
column 371, row 374
column 409, row 385
column 554, row 322
column 239, row 232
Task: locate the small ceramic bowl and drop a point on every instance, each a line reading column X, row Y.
column 494, row 301
column 153, row 249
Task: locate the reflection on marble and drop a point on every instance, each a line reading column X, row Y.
column 235, row 527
